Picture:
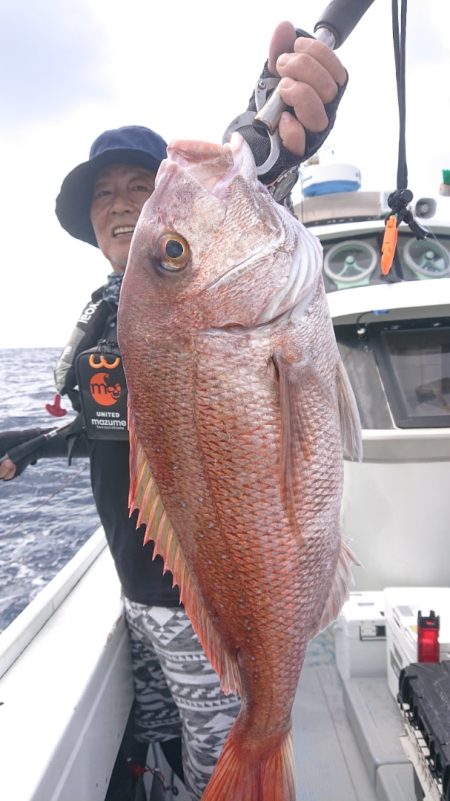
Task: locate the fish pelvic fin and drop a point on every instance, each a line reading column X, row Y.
column 349, row 415
column 340, row 588
column 144, row 496
column 237, row 778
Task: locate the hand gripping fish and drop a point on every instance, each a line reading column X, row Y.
column 240, row 409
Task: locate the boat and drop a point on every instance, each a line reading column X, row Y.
column 65, row 678
column 393, row 333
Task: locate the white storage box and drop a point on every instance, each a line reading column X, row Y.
column 361, row 636
column 402, row 605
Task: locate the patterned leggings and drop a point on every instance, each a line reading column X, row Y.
column 177, row 691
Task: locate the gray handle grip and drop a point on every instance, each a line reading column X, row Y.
column 333, row 27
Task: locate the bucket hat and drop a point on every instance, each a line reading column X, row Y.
column 132, row 144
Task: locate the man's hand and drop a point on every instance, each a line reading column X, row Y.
column 12, row 461
column 311, row 76
column 7, row 469
column 312, row 83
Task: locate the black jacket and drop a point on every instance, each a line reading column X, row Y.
column 141, row 576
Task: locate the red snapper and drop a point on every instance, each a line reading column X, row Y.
column 239, row 412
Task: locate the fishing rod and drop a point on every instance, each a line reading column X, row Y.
column 333, row 27
column 22, row 452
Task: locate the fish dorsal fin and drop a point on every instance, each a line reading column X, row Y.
column 349, row 415
column 144, row 496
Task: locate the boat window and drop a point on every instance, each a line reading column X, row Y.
column 355, row 260
column 400, row 372
column 359, row 360
column 425, row 258
column 350, row 262
column 414, row 362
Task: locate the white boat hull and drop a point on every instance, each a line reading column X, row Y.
column 65, row 698
column 397, row 521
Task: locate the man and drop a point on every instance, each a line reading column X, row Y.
column 177, row 693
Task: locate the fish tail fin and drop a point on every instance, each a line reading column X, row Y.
column 269, row 777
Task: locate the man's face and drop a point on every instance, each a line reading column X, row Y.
column 119, row 194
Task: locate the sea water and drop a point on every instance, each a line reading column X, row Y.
column 48, row 512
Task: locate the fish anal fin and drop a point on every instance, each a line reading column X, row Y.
column 224, row 663
column 144, row 496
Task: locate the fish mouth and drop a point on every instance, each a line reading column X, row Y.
column 212, row 166
column 122, row 230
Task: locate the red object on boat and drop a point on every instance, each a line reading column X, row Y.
column 55, row 408
column 428, row 637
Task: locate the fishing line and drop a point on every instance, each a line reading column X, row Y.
column 399, row 200
column 399, row 36
column 45, row 500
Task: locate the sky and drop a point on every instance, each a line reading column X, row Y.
column 70, row 69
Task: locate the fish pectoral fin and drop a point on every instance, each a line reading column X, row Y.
column 349, row 415
column 298, row 381
column 144, row 496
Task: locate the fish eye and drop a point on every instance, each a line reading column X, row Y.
column 174, row 252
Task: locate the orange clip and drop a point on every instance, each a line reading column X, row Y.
column 389, row 245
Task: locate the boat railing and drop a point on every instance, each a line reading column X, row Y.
column 18, row 635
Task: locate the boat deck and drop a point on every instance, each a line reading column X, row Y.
column 346, row 737
column 328, row 762
column 347, row 734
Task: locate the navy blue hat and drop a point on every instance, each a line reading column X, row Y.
column 132, row 144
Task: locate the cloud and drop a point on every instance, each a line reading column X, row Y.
column 73, row 68
column 425, row 39
column 51, row 54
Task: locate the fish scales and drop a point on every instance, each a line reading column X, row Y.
column 236, row 395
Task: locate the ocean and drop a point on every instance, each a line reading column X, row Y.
column 48, row 512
